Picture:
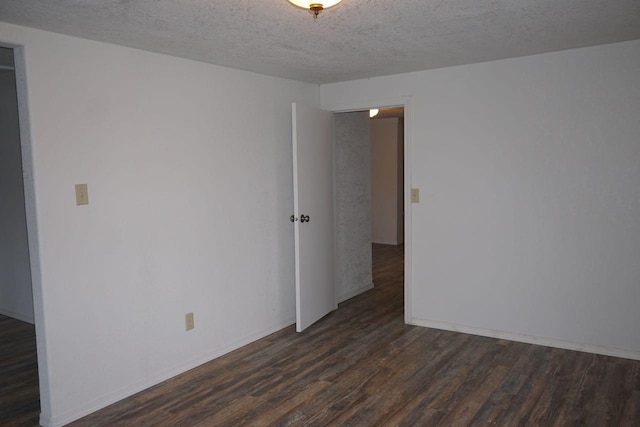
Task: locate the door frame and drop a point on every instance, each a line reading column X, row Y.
column 404, row 102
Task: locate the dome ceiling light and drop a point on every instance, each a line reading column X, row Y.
column 315, row 7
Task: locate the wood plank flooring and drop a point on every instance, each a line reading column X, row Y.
column 361, row 365
column 19, row 394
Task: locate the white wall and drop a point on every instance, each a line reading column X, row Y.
column 16, row 299
column 529, row 171
column 386, row 181
column 189, row 172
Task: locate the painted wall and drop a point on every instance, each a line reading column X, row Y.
column 529, row 171
column 352, row 204
column 16, row 299
column 188, row 167
column 386, row 181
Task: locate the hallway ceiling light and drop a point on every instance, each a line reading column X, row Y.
column 373, row 112
column 315, row 7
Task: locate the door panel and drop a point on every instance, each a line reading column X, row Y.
column 312, row 135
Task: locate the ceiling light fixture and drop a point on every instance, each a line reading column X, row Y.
column 373, row 112
column 316, row 6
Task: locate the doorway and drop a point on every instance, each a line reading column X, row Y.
column 387, row 176
column 16, row 295
column 387, row 194
column 18, row 370
column 352, row 248
column 358, row 167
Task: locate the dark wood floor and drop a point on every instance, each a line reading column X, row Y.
column 361, row 365
column 19, row 395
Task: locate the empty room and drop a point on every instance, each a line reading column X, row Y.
column 186, row 220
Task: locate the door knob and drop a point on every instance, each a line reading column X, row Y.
column 293, row 218
column 304, row 218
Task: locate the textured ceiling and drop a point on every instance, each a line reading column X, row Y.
column 355, row 39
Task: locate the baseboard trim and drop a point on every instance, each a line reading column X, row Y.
column 529, row 339
column 18, row 316
column 355, row 292
column 125, row 392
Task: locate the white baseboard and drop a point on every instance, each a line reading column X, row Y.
column 159, row 377
column 18, row 316
column 355, row 292
column 529, row 339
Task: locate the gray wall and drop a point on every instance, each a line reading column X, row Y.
column 16, row 298
column 352, row 181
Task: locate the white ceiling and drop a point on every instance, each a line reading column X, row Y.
column 356, row 39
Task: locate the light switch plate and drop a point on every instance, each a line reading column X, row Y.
column 189, row 323
column 82, row 194
column 415, row 195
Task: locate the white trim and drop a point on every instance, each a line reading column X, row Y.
column 529, row 339
column 406, row 102
column 18, row 316
column 408, row 248
column 355, row 292
column 159, row 377
column 296, row 214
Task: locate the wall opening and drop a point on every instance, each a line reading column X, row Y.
column 19, row 370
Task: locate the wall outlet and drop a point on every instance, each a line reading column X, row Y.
column 82, row 194
column 188, row 322
column 415, row 195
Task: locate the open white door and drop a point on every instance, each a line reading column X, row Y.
column 312, row 131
